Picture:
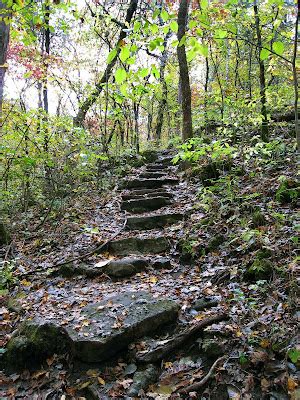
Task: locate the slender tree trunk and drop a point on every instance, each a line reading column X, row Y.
column 295, row 78
column 164, row 89
column 4, row 41
column 206, row 92
column 87, row 104
column 187, row 127
column 262, row 78
column 136, row 139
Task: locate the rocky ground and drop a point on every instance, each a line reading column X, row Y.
column 191, row 293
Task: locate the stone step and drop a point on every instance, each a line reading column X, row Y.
column 110, row 326
column 116, row 268
column 149, row 183
column 138, row 245
column 155, row 167
column 152, row 175
column 151, row 194
column 145, row 204
column 147, row 192
column 152, row 221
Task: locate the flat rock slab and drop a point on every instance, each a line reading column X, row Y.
column 145, row 204
column 110, row 326
column 149, row 183
column 155, row 167
column 136, row 245
column 152, row 174
column 155, row 193
column 153, row 221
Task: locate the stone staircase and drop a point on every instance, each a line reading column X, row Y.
column 120, row 319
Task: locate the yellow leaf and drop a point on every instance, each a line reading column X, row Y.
column 153, row 279
column 93, row 373
column 24, row 282
column 168, row 364
column 101, row 381
column 265, row 343
column 291, row 384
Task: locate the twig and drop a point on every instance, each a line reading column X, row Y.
column 45, row 217
column 178, row 341
column 196, row 386
column 96, row 250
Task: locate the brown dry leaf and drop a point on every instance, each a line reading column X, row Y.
column 291, row 384
column 84, row 385
column 50, row 360
column 265, row 384
column 39, row 374
column 265, row 343
column 259, row 356
column 93, row 373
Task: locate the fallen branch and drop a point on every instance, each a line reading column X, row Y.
column 160, row 352
column 96, row 250
column 196, row 386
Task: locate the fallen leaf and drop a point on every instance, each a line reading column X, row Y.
column 101, row 381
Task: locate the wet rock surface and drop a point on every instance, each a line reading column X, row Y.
column 153, row 221
column 109, row 327
column 145, row 204
column 137, row 245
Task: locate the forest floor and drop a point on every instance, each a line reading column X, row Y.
column 233, row 254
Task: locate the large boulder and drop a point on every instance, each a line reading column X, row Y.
column 102, row 330
column 118, row 321
column 33, row 342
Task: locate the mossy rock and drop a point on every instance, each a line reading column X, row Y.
column 213, row 347
column 258, row 219
column 149, row 156
column 288, row 192
column 260, row 269
column 33, row 343
column 215, row 242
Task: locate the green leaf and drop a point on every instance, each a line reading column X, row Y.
column 143, row 72
column 155, row 72
column 204, row 4
column 182, row 41
column 264, row 54
column 190, row 55
column 123, row 89
column 174, row 26
column 278, row 47
column 193, row 24
column 130, row 61
column 120, row 75
column 152, row 45
column 154, row 28
column 202, row 49
column 164, row 15
column 136, row 26
column 166, row 29
column 124, row 54
column 112, row 55
column 294, row 355
column 220, row 34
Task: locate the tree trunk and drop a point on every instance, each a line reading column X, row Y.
column 85, row 106
column 4, row 40
column 187, row 127
column 295, row 78
column 262, row 78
